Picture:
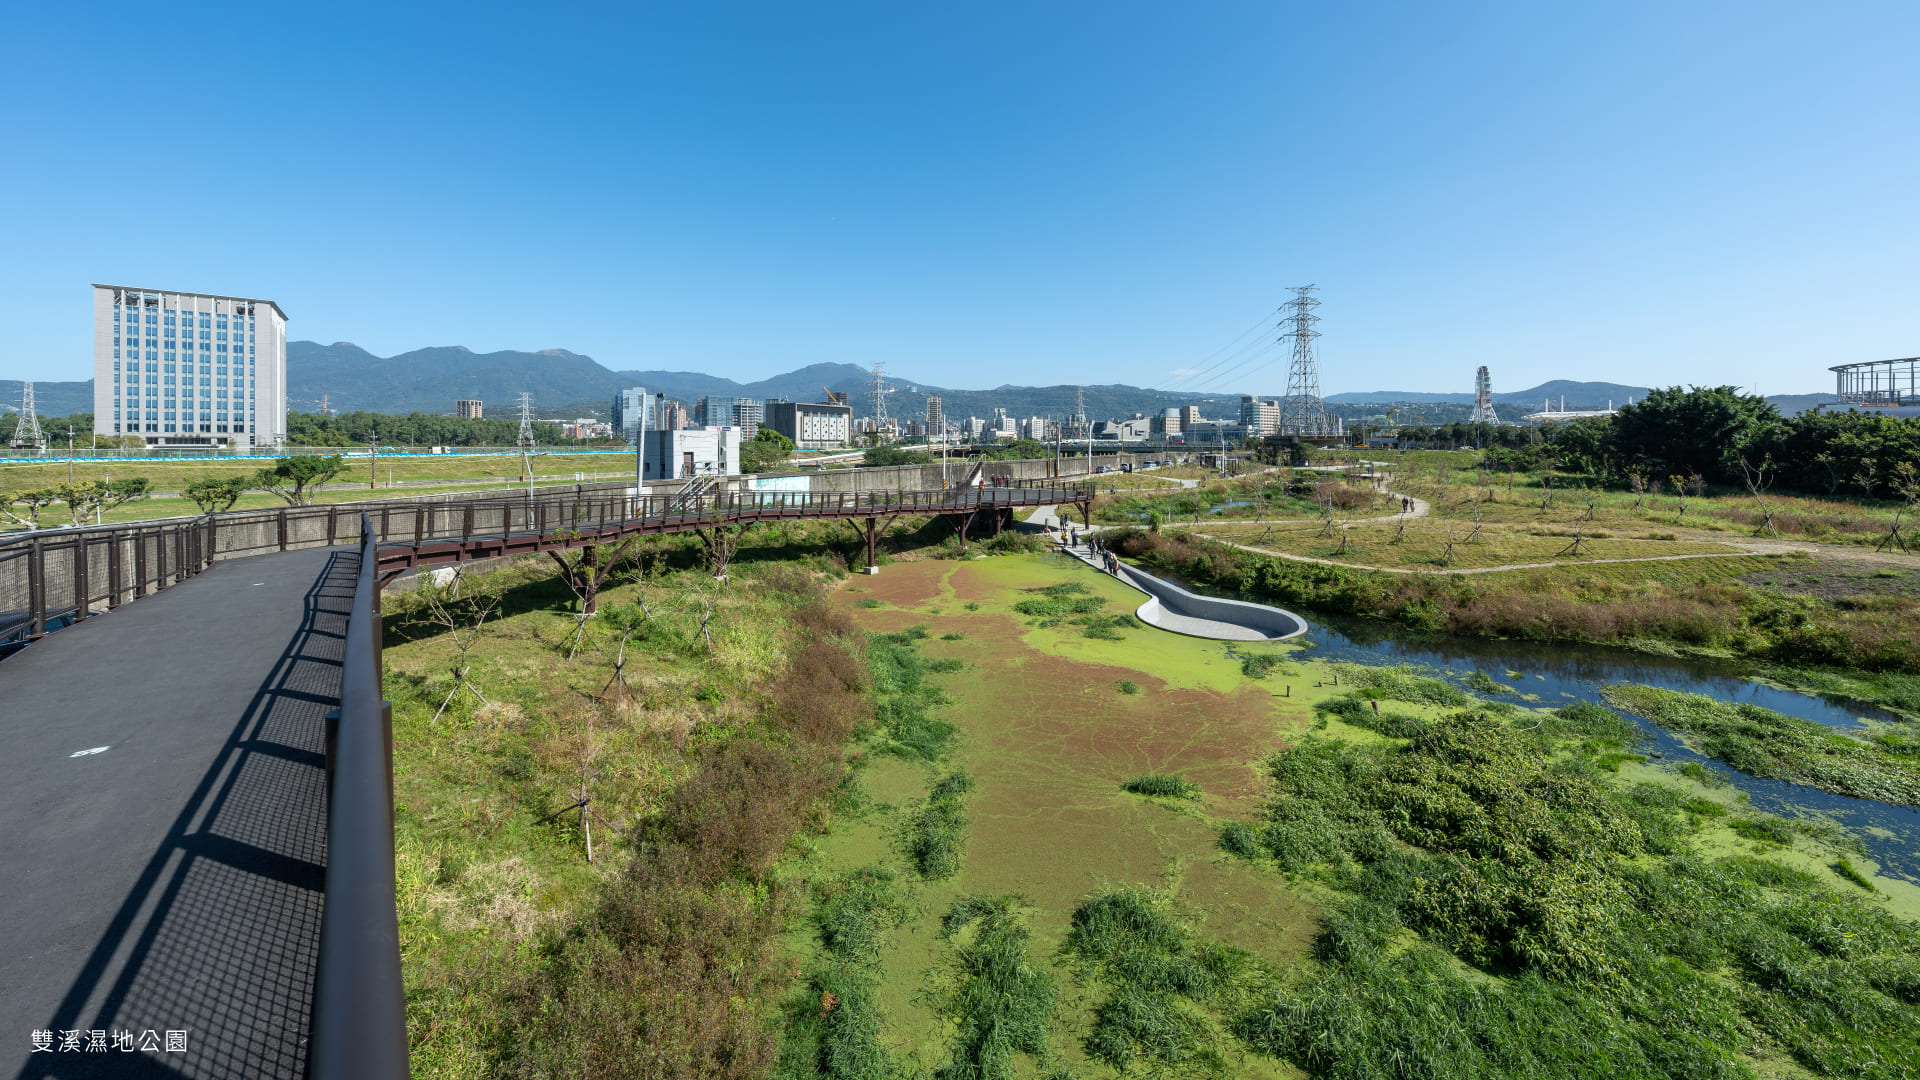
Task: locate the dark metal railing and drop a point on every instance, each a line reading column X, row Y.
column 359, row 1029
column 53, row 576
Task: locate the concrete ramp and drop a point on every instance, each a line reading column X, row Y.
column 1170, row 607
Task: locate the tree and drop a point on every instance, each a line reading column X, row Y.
column 1700, row 429
column 892, row 455
column 33, row 501
column 214, row 494
column 765, row 452
column 295, row 478
column 90, row 497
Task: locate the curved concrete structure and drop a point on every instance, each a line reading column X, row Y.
column 1170, row 607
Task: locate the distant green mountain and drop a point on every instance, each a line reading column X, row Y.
column 49, row 398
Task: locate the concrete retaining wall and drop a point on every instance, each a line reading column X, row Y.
column 1276, row 624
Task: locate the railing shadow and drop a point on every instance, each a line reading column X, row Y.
column 220, row 933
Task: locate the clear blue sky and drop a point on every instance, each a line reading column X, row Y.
column 983, row 193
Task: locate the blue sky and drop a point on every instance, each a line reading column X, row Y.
column 988, row 193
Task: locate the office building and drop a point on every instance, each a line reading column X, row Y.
column 1189, row 416
column 674, row 416
column 630, row 407
column 690, row 452
column 714, row 411
column 1167, row 425
column 748, row 415
column 811, row 426
column 189, row 369
column 1259, row 417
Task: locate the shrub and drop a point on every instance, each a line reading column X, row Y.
column 1163, row 786
column 1127, row 686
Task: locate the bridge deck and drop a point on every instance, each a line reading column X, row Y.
column 172, row 881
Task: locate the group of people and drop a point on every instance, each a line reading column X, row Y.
column 1070, row 539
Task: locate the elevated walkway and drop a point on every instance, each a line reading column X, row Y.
column 165, row 845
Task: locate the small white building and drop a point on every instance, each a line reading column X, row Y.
column 691, row 452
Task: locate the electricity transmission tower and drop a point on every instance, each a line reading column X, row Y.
column 1483, row 398
column 26, row 434
column 525, row 439
column 1301, row 411
column 878, row 390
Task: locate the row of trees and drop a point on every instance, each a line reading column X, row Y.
column 1723, row 435
column 1461, row 433
column 414, row 429
column 293, row 479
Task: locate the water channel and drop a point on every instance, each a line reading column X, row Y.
column 1560, row 674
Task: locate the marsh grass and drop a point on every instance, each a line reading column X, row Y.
column 1162, row 786
column 834, row 1023
column 1845, row 869
column 1001, row 1002
column 1165, row 988
column 1261, row 665
column 1509, row 913
column 1764, row 743
column 905, row 703
column 1059, row 601
column 936, row 829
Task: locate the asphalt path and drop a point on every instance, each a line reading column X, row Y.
column 162, row 824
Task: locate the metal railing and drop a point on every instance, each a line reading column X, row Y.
column 359, row 1028
column 54, row 575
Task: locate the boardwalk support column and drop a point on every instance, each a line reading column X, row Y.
column 871, row 531
column 720, row 544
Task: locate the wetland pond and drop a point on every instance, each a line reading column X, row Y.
column 1560, row 674
column 1055, row 715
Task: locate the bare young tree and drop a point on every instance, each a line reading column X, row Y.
column 1758, row 479
column 1868, row 477
column 462, row 609
column 1637, row 482
column 1906, row 484
column 1680, row 491
column 1832, row 465
column 584, row 575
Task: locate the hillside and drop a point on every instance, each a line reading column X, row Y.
column 49, row 398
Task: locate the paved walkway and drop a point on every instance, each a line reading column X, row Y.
column 162, row 795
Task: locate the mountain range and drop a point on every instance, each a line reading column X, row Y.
column 565, row 384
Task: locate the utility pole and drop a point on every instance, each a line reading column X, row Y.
column 373, row 460
column 69, row 454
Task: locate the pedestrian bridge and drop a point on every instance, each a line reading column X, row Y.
column 197, row 787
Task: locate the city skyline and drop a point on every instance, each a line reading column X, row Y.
column 1030, row 197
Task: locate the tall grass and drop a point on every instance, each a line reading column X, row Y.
column 937, row 828
column 1164, row 986
column 1764, row 743
column 1002, row 1002
column 1618, row 950
column 834, row 1020
column 1163, row 786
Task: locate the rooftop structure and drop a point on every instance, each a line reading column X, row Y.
column 1879, row 384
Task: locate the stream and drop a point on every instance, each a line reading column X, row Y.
column 1560, row 674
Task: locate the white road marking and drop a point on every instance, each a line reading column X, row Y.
column 84, row 753
column 258, row 583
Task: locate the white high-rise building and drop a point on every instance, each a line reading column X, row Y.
column 189, row 369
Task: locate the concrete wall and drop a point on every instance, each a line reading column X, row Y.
column 1275, row 623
